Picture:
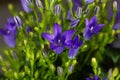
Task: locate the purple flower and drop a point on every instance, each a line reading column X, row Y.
column 89, row 1
column 95, row 78
column 26, row 5
column 74, row 46
column 9, row 32
column 91, row 28
column 58, row 40
column 74, row 23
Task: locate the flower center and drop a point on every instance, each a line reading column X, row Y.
column 91, row 29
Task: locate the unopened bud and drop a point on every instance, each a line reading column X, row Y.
column 74, row 23
column 52, row 67
column 57, row 9
column 78, row 12
column 31, row 34
column 115, row 5
column 38, row 3
column 87, row 11
column 10, row 6
column 70, row 69
column 94, row 62
column 96, row 10
column 17, row 21
column 59, row 70
column 36, row 29
column 25, row 42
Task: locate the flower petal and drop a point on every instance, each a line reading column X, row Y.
column 96, row 78
column 47, row 36
column 58, row 49
column 93, row 22
column 2, row 32
column 87, row 34
column 87, row 23
column 88, row 79
column 72, row 52
column 10, row 40
column 98, row 28
column 57, row 29
column 76, row 40
column 68, row 34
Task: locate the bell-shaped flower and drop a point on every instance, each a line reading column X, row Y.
column 26, row 5
column 91, row 28
column 58, row 40
column 9, row 32
column 74, row 46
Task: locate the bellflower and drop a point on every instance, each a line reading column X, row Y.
column 91, row 28
column 26, row 5
column 74, row 47
column 95, row 78
column 9, row 32
column 58, row 40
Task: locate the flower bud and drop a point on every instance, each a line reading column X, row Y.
column 74, row 23
column 38, row 3
column 115, row 5
column 59, row 70
column 96, row 10
column 78, row 12
column 52, row 67
column 17, row 21
column 25, row 42
column 70, row 69
column 69, row 16
column 94, row 62
column 57, row 9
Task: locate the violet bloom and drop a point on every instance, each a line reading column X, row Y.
column 9, row 32
column 89, row 1
column 74, row 23
column 74, row 47
column 26, row 5
column 58, row 40
column 95, row 78
column 91, row 28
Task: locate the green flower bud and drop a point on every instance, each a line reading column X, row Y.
column 60, row 71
